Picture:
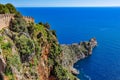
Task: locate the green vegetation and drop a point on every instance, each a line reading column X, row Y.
column 36, row 61
column 18, row 25
column 24, row 45
column 60, row 72
column 40, row 29
column 8, row 8
column 47, row 25
column 54, row 33
column 12, row 59
column 3, row 9
column 11, row 8
column 37, row 50
column 6, row 46
column 63, row 74
column 55, row 50
column 31, row 38
column 31, row 29
column 8, row 72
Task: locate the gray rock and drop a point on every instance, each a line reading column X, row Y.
column 74, row 52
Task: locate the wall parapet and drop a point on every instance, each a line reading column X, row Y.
column 6, row 18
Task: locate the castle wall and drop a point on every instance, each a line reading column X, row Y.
column 6, row 18
column 28, row 19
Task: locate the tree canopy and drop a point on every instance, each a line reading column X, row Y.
column 7, row 8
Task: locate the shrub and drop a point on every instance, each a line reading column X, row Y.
column 39, row 35
column 31, row 29
column 60, row 73
column 37, row 49
column 40, row 29
column 18, row 25
column 55, row 50
column 8, row 72
column 1, row 38
column 25, row 45
column 54, row 32
column 14, row 60
column 54, row 53
column 46, row 25
column 40, row 23
column 18, row 15
column 6, row 45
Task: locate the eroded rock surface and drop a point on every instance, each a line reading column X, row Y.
column 76, row 51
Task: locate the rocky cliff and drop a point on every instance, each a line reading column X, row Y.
column 30, row 51
column 73, row 52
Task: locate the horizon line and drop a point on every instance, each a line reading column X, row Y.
column 68, row 6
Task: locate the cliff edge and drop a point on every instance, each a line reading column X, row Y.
column 31, row 51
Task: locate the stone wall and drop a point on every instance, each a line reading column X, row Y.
column 5, row 19
column 28, row 19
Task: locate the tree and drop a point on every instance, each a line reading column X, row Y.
column 3, row 9
column 11, row 8
column 8, row 8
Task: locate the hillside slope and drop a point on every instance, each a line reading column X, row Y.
column 30, row 51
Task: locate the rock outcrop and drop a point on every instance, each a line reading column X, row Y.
column 74, row 52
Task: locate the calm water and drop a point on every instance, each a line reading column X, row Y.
column 79, row 24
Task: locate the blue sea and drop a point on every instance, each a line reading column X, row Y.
column 81, row 24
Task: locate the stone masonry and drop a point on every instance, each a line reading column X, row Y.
column 6, row 18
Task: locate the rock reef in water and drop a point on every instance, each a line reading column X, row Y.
column 76, row 51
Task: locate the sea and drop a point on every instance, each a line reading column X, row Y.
column 76, row 24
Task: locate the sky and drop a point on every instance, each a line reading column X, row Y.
column 63, row 3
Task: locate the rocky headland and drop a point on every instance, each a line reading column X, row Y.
column 73, row 52
column 31, row 51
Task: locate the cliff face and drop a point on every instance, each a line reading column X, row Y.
column 30, row 51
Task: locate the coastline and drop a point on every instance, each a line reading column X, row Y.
column 75, row 52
